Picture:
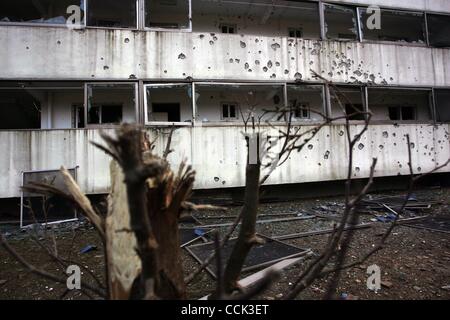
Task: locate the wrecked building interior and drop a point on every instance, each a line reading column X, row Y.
column 74, row 70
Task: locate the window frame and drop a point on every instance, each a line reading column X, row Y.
column 229, row 103
column 86, row 103
column 416, row 44
column 52, row 25
column 169, row 123
column 144, row 27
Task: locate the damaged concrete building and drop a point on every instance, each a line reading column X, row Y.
column 196, row 64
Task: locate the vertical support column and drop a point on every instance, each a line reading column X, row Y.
column 194, row 105
column 140, row 116
column 323, row 35
column 327, row 101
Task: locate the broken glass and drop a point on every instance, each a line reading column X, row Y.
column 394, row 26
column 112, row 14
column 340, row 22
column 169, row 103
column 111, row 103
column 167, row 14
column 38, row 12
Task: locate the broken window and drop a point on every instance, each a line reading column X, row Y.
column 307, row 102
column 168, row 103
column 227, row 28
column 395, row 26
column 263, row 18
column 340, row 22
column 168, row 14
column 439, row 30
column 112, row 14
column 111, row 103
column 253, row 99
column 442, row 98
column 49, row 12
column 347, row 101
column 399, row 104
column 38, row 105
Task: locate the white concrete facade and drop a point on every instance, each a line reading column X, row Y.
column 214, row 68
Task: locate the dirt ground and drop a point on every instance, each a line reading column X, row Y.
column 415, row 264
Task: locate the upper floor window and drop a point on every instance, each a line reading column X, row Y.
column 112, row 14
column 439, row 30
column 168, row 14
column 48, row 12
column 229, row 111
column 394, row 26
column 442, row 97
column 228, row 28
column 340, row 22
column 295, row 33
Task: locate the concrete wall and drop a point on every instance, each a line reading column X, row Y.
column 218, row 154
column 121, row 54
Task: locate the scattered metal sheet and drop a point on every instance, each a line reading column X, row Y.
column 272, row 251
column 39, row 209
column 218, row 225
column 189, row 236
column 319, row 232
column 432, row 223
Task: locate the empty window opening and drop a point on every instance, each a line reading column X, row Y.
column 262, row 18
column 251, row 101
column 53, row 12
column 347, row 101
column 307, row 102
column 402, row 113
column 295, row 33
column 112, row 14
column 167, row 112
column 169, row 103
column 228, row 28
column 439, row 30
column 111, row 103
column 442, row 98
column 354, row 111
column 229, row 110
column 399, row 104
column 340, row 22
column 395, row 26
column 38, row 105
column 167, row 14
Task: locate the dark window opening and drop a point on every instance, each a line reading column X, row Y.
column 442, row 105
column 112, row 14
column 105, row 114
column 402, row 113
column 395, row 26
column 169, row 14
column 439, row 30
column 19, row 109
column 40, row 12
column 354, row 111
column 170, row 111
column 340, row 22
column 229, row 111
column 295, row 33
column 228, row 28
